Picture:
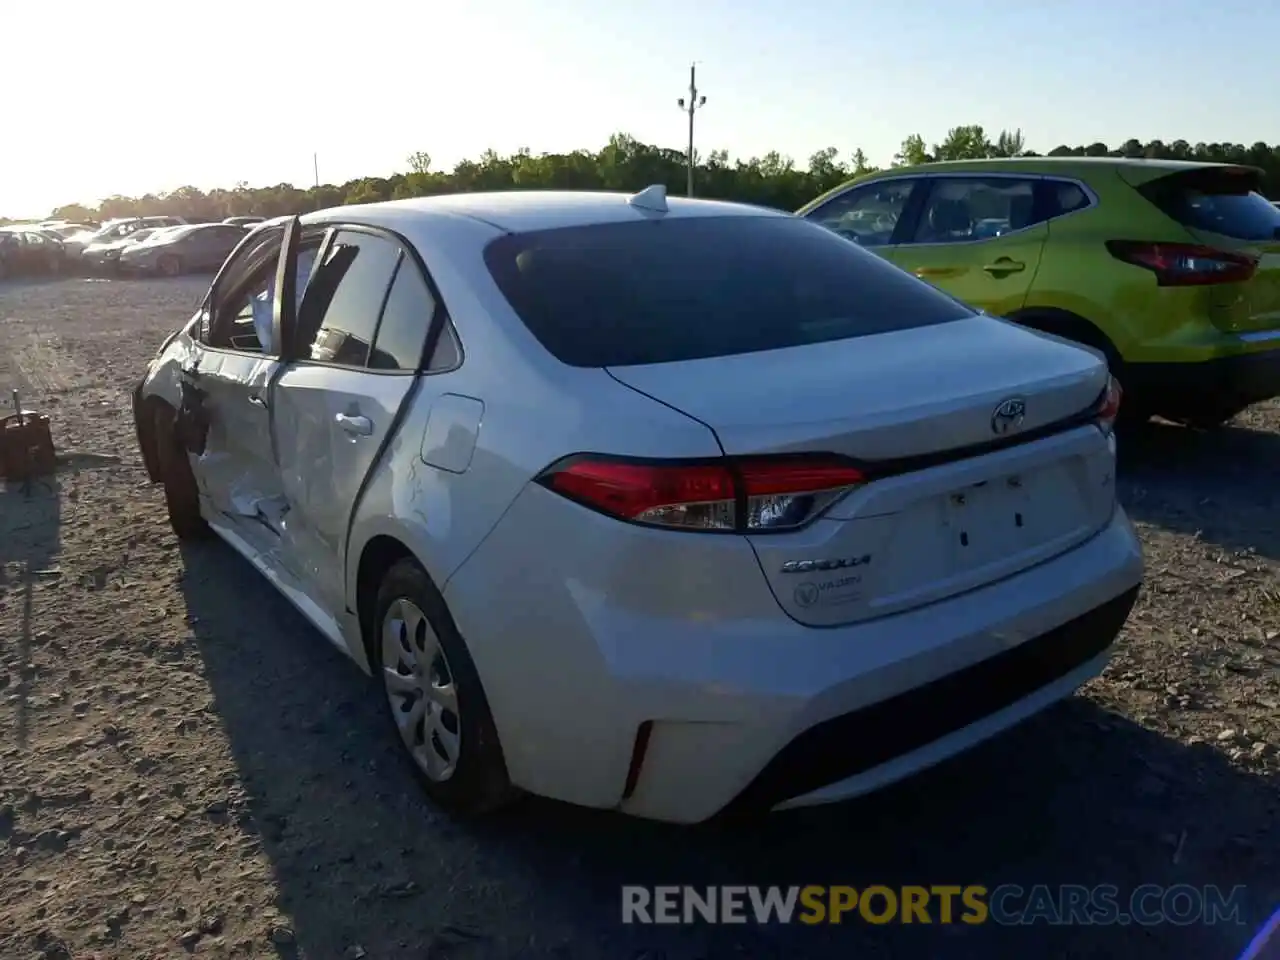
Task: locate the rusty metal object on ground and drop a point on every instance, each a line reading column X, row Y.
column 26, row 444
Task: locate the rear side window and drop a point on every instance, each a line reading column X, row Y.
column 1222, row 202
column 684, row 288
column 402, row 332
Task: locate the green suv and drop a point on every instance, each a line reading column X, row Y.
column 1171, row 269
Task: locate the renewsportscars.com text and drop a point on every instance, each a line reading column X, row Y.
column 1006, row 905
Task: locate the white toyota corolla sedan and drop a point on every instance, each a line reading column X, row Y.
column 676, row 507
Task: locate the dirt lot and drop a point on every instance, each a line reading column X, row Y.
column 185, row 766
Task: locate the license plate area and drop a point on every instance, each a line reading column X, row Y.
column 999, row 518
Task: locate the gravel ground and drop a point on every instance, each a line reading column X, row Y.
column 185, row 766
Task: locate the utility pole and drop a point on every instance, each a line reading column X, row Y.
column 315, row 167
column 691, row 106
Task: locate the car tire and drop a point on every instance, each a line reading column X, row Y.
column 415, row 649
column 169, row 265
column 181, row 494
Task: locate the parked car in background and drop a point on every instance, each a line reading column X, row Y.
column 194, row 248
column 106, row 254
column 116, row 230
column 245, row 221
column 26, row 251
column 68, row 230
column 790, row 525
column 1171, row 269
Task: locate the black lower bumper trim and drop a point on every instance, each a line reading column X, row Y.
column 856, row 742
column 1188, row 388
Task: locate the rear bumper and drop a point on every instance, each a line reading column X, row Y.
column 866, row 748
column 697, row 691
column 1241, row 380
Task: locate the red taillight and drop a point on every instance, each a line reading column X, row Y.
column 1109, row 404
column 749, row 495
column 1184, row 264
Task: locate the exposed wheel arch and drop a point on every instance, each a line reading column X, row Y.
column 1136, row 409
column 379, row 555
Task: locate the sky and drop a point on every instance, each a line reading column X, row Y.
column 145, row 96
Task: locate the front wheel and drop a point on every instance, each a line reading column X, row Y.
column 169, row 265
column 181, row 494
column 434, row 696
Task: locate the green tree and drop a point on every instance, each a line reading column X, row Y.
column 1009, row 144
column 912, row 152
column 625, row 163
column 964, row 143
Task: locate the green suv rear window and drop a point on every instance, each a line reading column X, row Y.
column 1218, row 200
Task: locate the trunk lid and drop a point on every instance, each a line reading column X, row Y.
column 915, row 534
column 1221, row 207
column 891, row 396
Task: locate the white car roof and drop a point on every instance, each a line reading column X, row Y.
column 519, row 211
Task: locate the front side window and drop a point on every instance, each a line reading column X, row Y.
column 242, row 314
column 683, row 288
column 964, row 209
column 867, row 215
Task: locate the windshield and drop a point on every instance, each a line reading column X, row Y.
column 684, row 288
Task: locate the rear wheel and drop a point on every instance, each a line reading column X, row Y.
column 1134, row 409
column 181, row 494
column 434, row 696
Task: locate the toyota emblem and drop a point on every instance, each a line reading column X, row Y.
column 1008, row 415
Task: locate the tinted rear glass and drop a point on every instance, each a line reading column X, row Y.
column 1217, row 203
column 690, row 287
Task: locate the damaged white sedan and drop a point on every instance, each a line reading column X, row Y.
column 674, row 507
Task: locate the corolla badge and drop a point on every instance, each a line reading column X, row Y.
column 833, row 563
column 1008, row 415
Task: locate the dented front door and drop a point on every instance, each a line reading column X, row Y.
column 236, row 469
column 233, row 380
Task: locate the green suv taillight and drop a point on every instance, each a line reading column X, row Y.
column 1184, row 264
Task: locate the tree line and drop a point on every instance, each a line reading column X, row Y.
column 626, row 164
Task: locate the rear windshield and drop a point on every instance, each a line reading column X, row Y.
column 1218, row 205
column 685, row 288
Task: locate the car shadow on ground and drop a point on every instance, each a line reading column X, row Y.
column 1074, row 796
column 1165, row 470
column 30, row 542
